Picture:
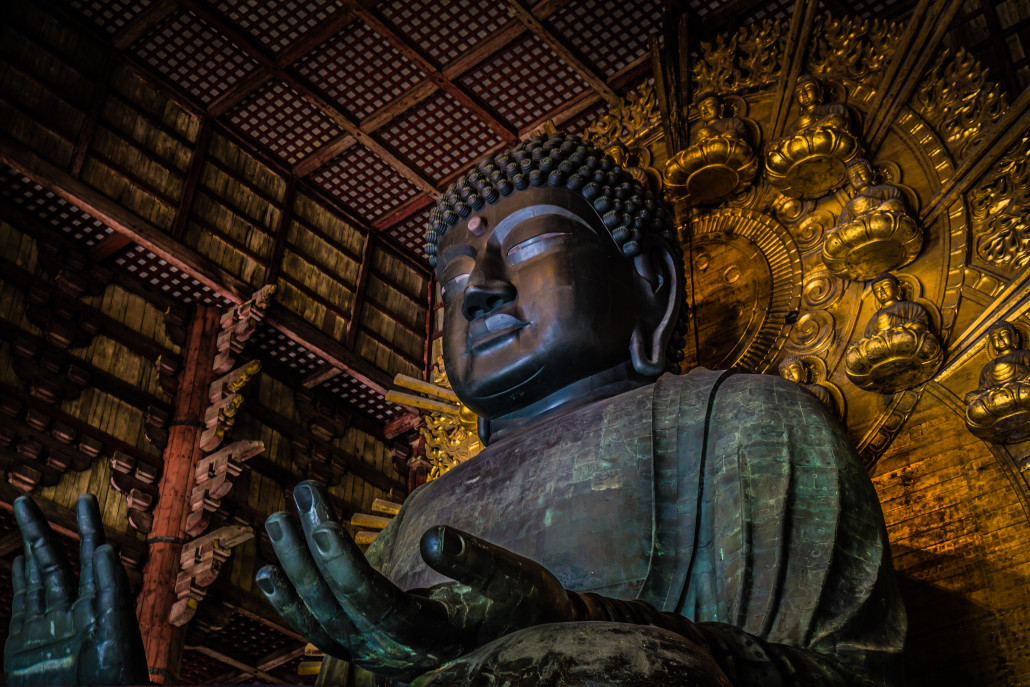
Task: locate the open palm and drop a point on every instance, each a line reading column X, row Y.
column 63, row 636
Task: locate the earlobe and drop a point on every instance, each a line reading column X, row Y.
column 659, row 307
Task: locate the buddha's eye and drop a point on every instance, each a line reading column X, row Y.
column 456, row 272
column 533, row 246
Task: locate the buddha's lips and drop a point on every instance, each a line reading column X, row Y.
column 493, row 326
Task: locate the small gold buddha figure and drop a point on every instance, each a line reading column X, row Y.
column 898, row 350
column 719, row 162
column 811, row 158
column 999, row 409
column 796, row 370
column 874, row 233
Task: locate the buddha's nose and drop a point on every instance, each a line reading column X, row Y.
column 485, row 296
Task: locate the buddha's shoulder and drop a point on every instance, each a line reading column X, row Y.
column 750, row 395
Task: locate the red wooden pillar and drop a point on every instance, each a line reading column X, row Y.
column 162, row 640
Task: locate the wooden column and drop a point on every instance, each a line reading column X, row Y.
column 163, row 641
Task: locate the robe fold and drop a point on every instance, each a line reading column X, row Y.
column 728, row 498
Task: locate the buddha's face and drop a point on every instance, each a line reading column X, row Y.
column 886, row 291
column 1003, row 340
column 536, row 295
column 709, row 109
column 808, row 93
column 794, row 372
column 860, row 176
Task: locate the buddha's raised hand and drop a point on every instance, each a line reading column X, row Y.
column 328, row 592
column 61, row 635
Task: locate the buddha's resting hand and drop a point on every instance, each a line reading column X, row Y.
column 329, row 593
column 60, row 636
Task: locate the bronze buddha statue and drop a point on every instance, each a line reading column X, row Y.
column 810, row 159
column 898, row 350
column 623, row 525
column 999, row 409
column 874, row 232
column 719, row 162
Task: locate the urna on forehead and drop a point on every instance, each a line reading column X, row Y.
column 626, row 209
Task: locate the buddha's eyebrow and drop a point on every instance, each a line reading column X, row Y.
column 520, row 216
column 452, row 252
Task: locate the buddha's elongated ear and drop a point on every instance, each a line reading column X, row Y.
column 658, row 300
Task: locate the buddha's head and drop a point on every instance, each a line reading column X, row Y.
column 708, row 106
column 1003, row 337
column 554, row 265
column 808, row 92
column 794, row 369
column 886, row 288
column 860, row 173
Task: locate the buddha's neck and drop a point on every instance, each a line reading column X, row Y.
column 604, row 384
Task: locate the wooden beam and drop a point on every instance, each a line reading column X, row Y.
column 239, row 92
column 315, row 37
column 402, row 213
column 89, row 126
column 586, row 71
column 269, row 662
column 305, row 89
column 456, row 91
column 282, row 229
column 189, row 186
column 141, row 25
column 230, row 661
column 330, row 151
column 62, row 184
column 358, row 303
column 795, row 51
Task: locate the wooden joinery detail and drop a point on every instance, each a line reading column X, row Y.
column 213, row 479
column 354, row 322
column 237, row 325
column 36, row 449
column 201, row 561
column 136, row 481
column 224, row 402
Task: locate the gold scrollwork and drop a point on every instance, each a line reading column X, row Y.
column 748, row 60
column 1001, row 210
column 822, row 290
column 812, row 332
column 852, row 47
column 958, row 101
column 809, row 231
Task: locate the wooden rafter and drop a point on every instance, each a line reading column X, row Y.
column 560, row 46
column 384, row 29
column 794, row 53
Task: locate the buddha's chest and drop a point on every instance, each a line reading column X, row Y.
column 575, row 494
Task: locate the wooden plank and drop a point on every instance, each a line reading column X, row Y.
column 586, row 71
column 275, row 260
column 92, row 117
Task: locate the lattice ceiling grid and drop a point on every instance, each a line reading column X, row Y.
column 364, row 183
column 195, row 56
column 611, row 34
column 525, row 81
column 359, row 70
column 441, row 135
column 52, row 210
column 277, row 118
column 444, row 30
column 277, row 23
column 168, row 279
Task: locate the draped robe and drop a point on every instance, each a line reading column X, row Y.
column 724, row 497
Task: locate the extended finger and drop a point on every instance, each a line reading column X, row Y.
column 18, row 601
column 56, row 576
column 283, row 597
column 299, row 567
column 313, row 506
column 91, row 536
column 372, row 601
column 493, row 571
column 34, row 600
column 120, row 656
